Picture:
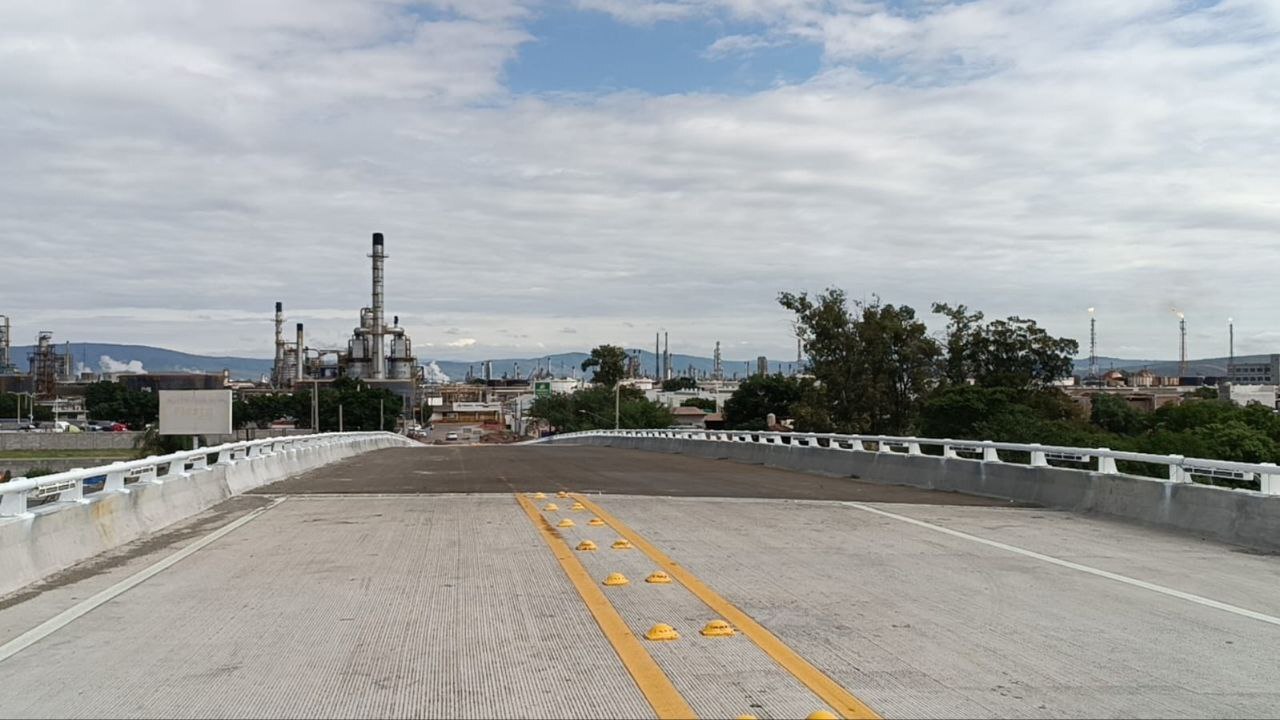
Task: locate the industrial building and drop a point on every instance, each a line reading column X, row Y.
column 1263, row 372
column 378, row 353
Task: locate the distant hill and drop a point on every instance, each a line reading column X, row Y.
column 1206, row 367
column 100, row 357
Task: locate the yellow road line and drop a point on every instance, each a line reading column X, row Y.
column 656, row 686
column 841, row 700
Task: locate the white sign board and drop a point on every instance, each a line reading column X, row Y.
column 195, row 412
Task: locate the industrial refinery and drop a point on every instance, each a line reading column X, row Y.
column 377, row 353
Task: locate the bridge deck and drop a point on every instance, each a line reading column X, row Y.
column 375, row 588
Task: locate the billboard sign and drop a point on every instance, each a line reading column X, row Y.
column 195, row 412
column 542, row 389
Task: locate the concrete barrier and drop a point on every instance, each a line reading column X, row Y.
column 1240, row 517
column 54, row 537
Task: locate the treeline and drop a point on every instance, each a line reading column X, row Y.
column 876, row 370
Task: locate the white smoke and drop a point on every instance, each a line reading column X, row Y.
column 108, row 364
column 433, row 374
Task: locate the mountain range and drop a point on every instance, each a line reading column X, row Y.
column 109, row 357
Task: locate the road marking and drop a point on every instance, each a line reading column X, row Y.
column 62, row 619
column 828, row 690
column 1198, row 599
column 652, row 681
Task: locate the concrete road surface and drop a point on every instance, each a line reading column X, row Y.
column 431, row 582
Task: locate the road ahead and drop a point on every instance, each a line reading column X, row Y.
column 431, row 582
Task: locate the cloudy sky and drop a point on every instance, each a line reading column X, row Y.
column 555, row 175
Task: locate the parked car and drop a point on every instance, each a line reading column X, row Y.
column 451, row 435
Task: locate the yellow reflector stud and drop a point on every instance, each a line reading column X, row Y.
column 595, row 522
column 616, row 579
column 662, row 632
column 578, row 507
column 562, row 494
column 658, row 578
column 822, row 715
column 565, row 523
column 717, row 628
column 586, row 546
column 540, row 496
column 551, row 507
column 623, row 544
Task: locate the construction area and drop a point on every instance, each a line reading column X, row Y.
column 572, row 581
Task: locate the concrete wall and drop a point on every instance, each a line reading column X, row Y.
column 67, row 441
column 54, row 537
column 1239, row 517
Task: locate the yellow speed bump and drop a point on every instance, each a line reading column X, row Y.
column 550, row 507
column 587, row 546
column 623, row 544
column 540, row 496
column 718, row 628
column 662, row 632
column 616, row 579
column 565, row 523
column 562, row 494
column 595, row 522
column 578, row 507
column 658, row 578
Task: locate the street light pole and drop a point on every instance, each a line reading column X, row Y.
column 617, row 403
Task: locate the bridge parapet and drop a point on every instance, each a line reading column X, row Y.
column 50, row 522
column 1100, row 480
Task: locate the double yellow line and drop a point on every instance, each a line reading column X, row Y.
column 655, row 685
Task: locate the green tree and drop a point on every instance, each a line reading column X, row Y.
column 875, row 362
column 593, row 409
column 705, row 404
column 760, row 395
column 113, row 401
column 11, row 403
column 1113, row 414
column 610, row 363
column 679, row 383
column 1014, row 352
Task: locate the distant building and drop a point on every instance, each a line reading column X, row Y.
column 1245, row 394
column 1257, row 373
column 762, row 365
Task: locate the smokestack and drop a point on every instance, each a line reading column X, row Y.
column 300, row 355
column 277, row 372
column 379, row 354
column 1231, row 348
column 1182, row 361
column 666, row 355
column 657, row 356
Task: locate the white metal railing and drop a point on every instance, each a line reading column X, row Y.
column 69, row 486
column 1102, row 460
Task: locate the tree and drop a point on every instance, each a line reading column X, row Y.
column 1115, row 415
column 705, row 404
column 1014, row 352
column 113, row 401
column 760, row 395
column 874, row 362
column 592, row 409
column 11, row 403
column 679, row 383
column 609, row 361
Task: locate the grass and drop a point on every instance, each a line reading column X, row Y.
column 108, row 454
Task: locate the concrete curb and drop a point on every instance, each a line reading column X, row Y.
column 1239, row 517
column 55, row 537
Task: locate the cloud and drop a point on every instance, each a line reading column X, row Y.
column 568, row 331
column 1029, row 158
column 108, row 364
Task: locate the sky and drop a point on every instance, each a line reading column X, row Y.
column 551, row 176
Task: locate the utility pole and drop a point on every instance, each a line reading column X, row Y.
column 315, row 406
column 339, row 417
column 617, row 404
column 381, row 410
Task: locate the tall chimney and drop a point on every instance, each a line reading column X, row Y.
column 300, row 355
column 277, row 370
column 657, row 356
column 379, row 354
column 666, row 355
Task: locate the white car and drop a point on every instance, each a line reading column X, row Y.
column 451, row 436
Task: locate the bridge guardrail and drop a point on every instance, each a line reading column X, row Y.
column 69, row 486
column 1103, row 460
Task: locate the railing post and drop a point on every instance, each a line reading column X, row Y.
column 1176, row 472
column 1269, row 483
column 114, row 481
column 14, row 503
column 949, row 452
column 989, row 454
column 913, row 448
column 1106, row 465
column 1038, row 459
column 75, row 493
